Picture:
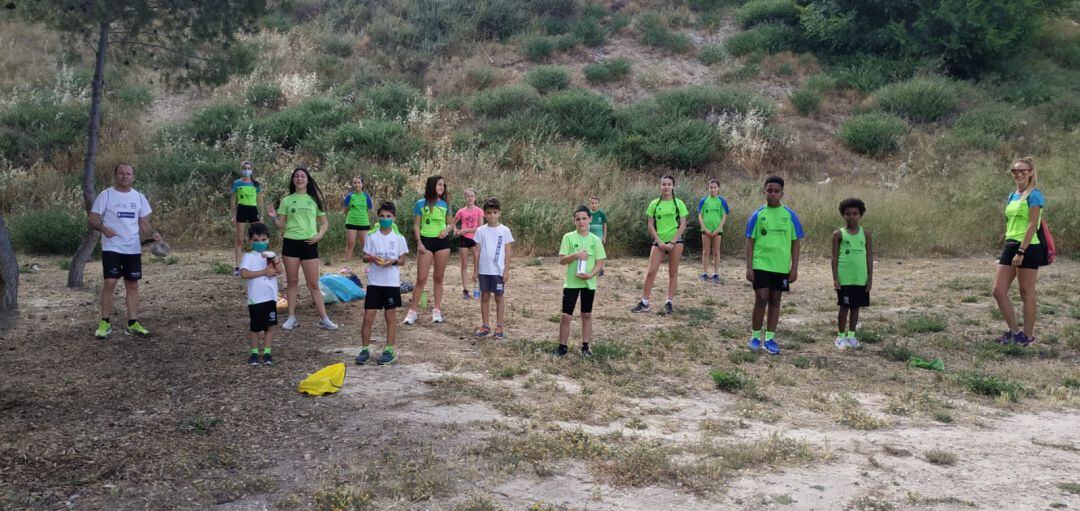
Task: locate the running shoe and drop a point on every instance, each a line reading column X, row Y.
column 852, row 342
column 483, row 331
column 772, row 347
column 465, row 294
column 1005, row 338
column 236, row 271
column 640, row 307
column 754, row 344
column 268, row 360
column 290, row 324
column 499, row 332
column 704, row 277
column 716, row 278
column 601, row 273
column 326, row 324
column 104, row 328
column 363, row 357
column 669, row 308
column 585, row 351
column 137, row 329
column 410, row 317
column 389, row 356
column 436, row 316
column 561, row 350
column 1022, row 339
column 253, row 359
column 841, row 342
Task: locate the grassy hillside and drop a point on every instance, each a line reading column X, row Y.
column 546, row 102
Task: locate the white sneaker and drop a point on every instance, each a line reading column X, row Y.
column 852, row 342
column 841, row 342
column 436, row 316
column 290, row 323
column 410, row 318
column 325, row 323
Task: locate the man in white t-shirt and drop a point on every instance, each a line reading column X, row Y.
column 120, row 214
column 384, row 251
column 494, row 240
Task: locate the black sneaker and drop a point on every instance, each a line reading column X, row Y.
column 561, row 350
column 585, row 351
column 363, row 356
column 640, row 307
column 669, row 308
column 253, row 359
column 268, row 360
column 388, row 356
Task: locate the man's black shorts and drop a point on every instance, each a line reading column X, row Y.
column 115, row 265
column 853, row 296
column 772, row 280
column 382, row 297
column 263, row 315
column 570, row 298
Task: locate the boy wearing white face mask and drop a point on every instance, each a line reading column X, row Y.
column 260, row 268
column 247, row 201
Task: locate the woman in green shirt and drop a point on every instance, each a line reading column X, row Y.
column 301, row 210
column 357, row 208
column 432, row 222
column 1023, row 252
column 667, row 223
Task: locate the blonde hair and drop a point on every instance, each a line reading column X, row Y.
column 1033, row 179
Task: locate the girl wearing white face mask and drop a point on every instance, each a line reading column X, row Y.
column 247, row 201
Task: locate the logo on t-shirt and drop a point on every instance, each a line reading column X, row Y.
column 125, row 214
column 763, row 231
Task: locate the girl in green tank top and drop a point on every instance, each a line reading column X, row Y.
column 357, row 209
column 852, row 270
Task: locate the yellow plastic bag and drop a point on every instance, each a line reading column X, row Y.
column 327, row 380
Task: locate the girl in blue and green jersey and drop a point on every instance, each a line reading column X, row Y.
column 246, row 201
column 1023, row 253
column 666, row 217
column 432, row 222
column 357, row 208
column 712, row 215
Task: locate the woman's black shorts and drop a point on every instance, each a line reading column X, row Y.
column 1033, row 256
column 354, row 227
column 247, row 214
column 570, row 298
column 300, row 249
column 435, row 244
column 466, row 243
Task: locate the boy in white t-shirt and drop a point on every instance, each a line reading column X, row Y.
column 494, row 240
column 384, row 251
column 260, row 268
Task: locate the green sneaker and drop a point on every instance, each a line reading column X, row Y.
column 137, row 329
column 103, row 329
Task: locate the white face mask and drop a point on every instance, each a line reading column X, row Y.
column 246, row 172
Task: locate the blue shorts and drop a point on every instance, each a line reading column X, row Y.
column 491, row 284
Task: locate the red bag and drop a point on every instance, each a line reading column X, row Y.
column 1047, row 239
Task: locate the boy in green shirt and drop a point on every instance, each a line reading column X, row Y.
column 772, row 261
column 852, row 271
column 598, row 224
column 583, row 254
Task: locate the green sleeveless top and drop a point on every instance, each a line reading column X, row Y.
column 851, row 259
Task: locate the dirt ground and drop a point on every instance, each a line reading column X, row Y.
column 180, row 421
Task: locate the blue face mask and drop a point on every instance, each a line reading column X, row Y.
column 259, row 246
column 246, row 172
column 386, row 223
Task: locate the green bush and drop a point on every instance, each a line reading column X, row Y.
column 548, row 78
column 653, row 30
column 265, row 95
column 503, row 101
column 566, row 42
column 806, row 101
column 756, row 12
column 499, row 19
column 215, row 123
column 134, row 96
column 987, row 127
column 870, row 72
column 767, row 38
column 607, row 71
column 558, row 9
column 337, row 46
column 291, row 126
column 919, row 99
column 588, row 32
column 682, row 143
column 712, row 54
column 197, row 165
column 538, row 48
column 1064, row 112
column 993, row 386
column 47, row 231
column 36, row 129
column 376, row 138
column 820, row 83
column 729, row 381
column 700, row 100
column 394, row 99
column 873, row 133
column 580, row 114
column 481, row 77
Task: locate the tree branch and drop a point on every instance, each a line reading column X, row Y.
column 160, row 47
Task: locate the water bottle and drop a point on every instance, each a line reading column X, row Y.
column 582, row 265
column 476, row 294
column 423, row 300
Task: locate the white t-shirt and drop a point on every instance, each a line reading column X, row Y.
column 492, row 242
column 260, row 289
column 389, row 246
column 121, row 211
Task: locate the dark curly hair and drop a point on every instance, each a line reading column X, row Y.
column 847, row 204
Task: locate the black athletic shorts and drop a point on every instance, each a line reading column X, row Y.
column 300, row 248
column 570, row 298
column 115, row 265
column 247, row 214
column 772, row 280
column 354, row 227
column 466, row 243
column 1033, row 255
column 263, row 315
column 435, row 244
column 853, row 296
column 382, row 297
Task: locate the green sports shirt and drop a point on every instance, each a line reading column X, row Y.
column 247, row 192
column 667, row 214
column 1018, row 213
column 851, row 258
column 773, row 230
column 300, row 213
column 712, row 211
column 359, row 204
column 432, row 220
column 572, row 242
column 596, row 225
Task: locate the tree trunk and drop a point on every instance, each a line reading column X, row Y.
column 9, row 271
column 82, row 255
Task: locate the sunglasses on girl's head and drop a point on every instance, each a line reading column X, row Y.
column 1019, row 171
